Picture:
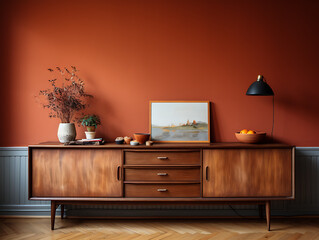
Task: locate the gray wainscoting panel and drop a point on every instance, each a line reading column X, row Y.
column 14, row 184
column 307, row 183
column 14, row 193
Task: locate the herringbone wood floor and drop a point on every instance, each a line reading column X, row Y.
column 216, row 229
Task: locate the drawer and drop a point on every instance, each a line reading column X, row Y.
column 162, row 158
column 162, row 174
column 162, row 190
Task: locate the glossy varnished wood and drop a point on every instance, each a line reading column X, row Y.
column 75, row 173
column 53, row 210
column 161, row 157
column 154, row 200
column 247, row 173
column 232, row 173
column 162, row 190
column 162, row 166
column 163, row 174
column 161, row 181
column 182, row 146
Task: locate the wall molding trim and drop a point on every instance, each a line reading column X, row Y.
column 13, row 151
column 14, row 194
column 302, row 151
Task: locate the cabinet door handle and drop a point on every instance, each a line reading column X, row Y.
column 162, row 158
column 162, row 190
column 206, row 174
column 118, row 172
column 161, row 174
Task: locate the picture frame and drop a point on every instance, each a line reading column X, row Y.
column 180, row 121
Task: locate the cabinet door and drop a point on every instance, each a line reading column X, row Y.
column 76, row 173
column 247, row 173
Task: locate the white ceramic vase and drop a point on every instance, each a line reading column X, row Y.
column 66, row 132
column 90, row 135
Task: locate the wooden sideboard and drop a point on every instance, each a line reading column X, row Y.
column 216, row 173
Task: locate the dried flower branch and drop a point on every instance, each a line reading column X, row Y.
column 64, row 101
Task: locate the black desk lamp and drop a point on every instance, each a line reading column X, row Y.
column 261, row 88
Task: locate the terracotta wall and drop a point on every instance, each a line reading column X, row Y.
column 131, row 52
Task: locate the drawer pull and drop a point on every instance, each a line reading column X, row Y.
column 118, row 173
column 161, row 174
column 162, row 190
column 162, row 158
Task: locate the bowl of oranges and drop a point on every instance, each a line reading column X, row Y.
column 250, row 136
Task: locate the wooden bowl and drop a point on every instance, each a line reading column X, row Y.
column 258, row 137
column 127, row 140
column 142, row 137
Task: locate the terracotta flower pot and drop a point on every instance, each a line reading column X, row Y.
column 90, row 128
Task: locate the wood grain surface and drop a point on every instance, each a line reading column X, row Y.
column 76, row 173
column 227, row 145
column 162, row 157
column 72, row 175
column 162, row 190
column 162, row 174
column 247, row 173
column 160, row 229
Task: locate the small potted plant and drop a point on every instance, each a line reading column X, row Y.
column 90, row 122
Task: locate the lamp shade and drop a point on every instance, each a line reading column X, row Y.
column 260, row 88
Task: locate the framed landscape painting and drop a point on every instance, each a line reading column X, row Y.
column 180, row 121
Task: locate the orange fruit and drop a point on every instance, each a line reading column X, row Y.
column 244, row 131
column 251, row 132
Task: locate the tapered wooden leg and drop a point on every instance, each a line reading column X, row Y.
column 62, row 211
column 53, row 208
column 268, row 214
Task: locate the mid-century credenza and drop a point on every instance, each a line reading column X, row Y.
column 216, row 173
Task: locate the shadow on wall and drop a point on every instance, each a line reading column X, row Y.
column 214, row 126
column 5, row 69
